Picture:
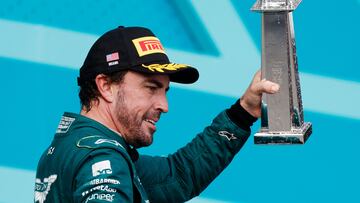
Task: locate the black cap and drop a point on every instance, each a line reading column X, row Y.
column 136, row 49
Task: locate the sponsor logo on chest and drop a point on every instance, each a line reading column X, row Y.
column 42, row 189
column 64, row 124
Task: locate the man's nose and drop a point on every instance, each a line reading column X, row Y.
column 162, row 104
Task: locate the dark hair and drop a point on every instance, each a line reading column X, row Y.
column 89, row 91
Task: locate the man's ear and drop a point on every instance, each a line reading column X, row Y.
column 104, row 86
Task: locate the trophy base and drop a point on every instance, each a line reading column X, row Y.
column 295, row 136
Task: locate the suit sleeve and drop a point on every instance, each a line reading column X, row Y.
column 104, row 176
column 186, row 173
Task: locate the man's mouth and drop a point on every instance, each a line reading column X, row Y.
column 151, row 121
column 152, row 118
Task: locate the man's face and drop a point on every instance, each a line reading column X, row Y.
column 138, row 104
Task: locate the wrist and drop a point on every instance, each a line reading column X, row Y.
column 254, row 111
column 240, row 116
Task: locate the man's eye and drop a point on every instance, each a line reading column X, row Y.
column 152, row 88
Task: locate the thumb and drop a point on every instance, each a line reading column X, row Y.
column 266, row 86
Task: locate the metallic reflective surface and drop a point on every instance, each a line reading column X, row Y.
column 295, row 136
column 282, row 113
column 275, row 5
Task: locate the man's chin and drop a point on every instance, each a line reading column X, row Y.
column 149, row 140
column 144, row 141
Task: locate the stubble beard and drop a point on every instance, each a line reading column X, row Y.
column 131, row 123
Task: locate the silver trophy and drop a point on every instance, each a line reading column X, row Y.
column 282, row 119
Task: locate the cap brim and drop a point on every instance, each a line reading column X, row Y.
column 179, row 73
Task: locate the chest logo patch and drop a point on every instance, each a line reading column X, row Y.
column 101, row 168
column 64, row 124
column 42, row 189
column 114, row 142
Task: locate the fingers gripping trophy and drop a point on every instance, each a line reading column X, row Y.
column 282, row 119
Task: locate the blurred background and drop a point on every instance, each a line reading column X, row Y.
column 43, row 43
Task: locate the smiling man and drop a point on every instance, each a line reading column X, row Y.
column 123, row 85
column 132, row 106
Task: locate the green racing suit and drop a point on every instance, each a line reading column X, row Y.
column 88, row 162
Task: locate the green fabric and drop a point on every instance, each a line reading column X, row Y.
column 87, row 162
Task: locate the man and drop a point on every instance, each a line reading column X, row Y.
column 123, row 84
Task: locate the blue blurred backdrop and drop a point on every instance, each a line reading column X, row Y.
column 43, row 43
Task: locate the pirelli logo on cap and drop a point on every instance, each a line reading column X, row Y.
column 148, row 45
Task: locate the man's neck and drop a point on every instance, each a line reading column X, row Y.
column 101, row 115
